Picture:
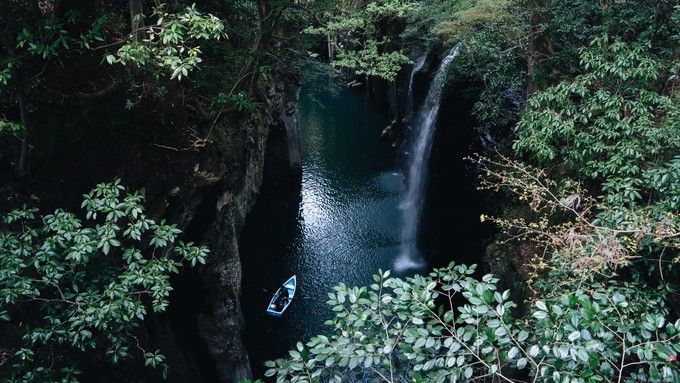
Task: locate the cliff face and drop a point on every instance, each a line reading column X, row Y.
column 284, row 161
column 220, row 322
column 205, row 186
column 205, row 318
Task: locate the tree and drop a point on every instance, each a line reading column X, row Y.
column 413, row 330
column 172, row 43
column 356, row 41
column 613, row 124
column 38, row 36
column 83, row 287
column 577, row 239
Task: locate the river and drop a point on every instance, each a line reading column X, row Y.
column 344, row 222
column 342, row 226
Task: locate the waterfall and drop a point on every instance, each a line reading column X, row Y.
column 417, row 66
column 413, row 200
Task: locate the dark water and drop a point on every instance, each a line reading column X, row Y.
column 341, row 227
column 344, row 222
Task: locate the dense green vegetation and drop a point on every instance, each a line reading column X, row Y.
column 87, row 299
column 399, row 330
column 593, row 155
column 76, row 286
column 358, row 37
column 588, row 175
column 61, row 54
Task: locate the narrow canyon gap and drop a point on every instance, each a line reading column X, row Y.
column 345, row 221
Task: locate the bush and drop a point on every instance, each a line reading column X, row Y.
column 86, row 286
column 410, row 330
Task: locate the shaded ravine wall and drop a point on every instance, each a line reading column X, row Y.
column 206, row 191
column 207, row 302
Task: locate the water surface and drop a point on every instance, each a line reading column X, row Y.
column 342, row 226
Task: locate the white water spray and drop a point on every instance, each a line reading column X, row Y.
column 421, row 144
column 417, row 66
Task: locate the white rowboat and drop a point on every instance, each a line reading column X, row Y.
column 280, row 302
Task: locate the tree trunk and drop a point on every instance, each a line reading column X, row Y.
column 136, row 20
column 269, row 17
column 536, row 47
column 23, row 156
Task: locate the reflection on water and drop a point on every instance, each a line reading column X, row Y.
column 341, row 227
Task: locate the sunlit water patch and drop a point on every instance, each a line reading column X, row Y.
column 342, row 226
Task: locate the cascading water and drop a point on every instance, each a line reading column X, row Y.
column 421, row 143
column 417, row 66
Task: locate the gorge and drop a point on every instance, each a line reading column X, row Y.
column 466, row 190
column 347, row 219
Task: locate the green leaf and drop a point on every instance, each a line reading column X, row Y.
column 521, row 363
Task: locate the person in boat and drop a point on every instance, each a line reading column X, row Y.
column 282, row 299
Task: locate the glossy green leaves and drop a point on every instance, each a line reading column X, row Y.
column 411, row 330
column 88, row 284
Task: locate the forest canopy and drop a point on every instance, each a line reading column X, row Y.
column 582, row 98
column 588, row 182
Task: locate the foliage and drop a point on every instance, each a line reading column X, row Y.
column 610, row 124
column 468, row 19
column 50, row 37
column 360, row 42
column 581, row 240
column 239, row 101
column 10, row 127
column 515, row 46
column 572, row 24
column 614, row 128
column 6, row 72
column 600, row 142
column 370, row 62
column 494, row 39
column 396, row 331
column 89, row 284
column 172, row 42
column 52, row 54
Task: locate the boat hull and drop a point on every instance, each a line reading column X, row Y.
column 291, row 286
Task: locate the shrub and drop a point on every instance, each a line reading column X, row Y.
column 84, row 286
column 412, row 329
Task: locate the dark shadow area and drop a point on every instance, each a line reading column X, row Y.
column 451, row 229
column 272, row 226
column 187, row 300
